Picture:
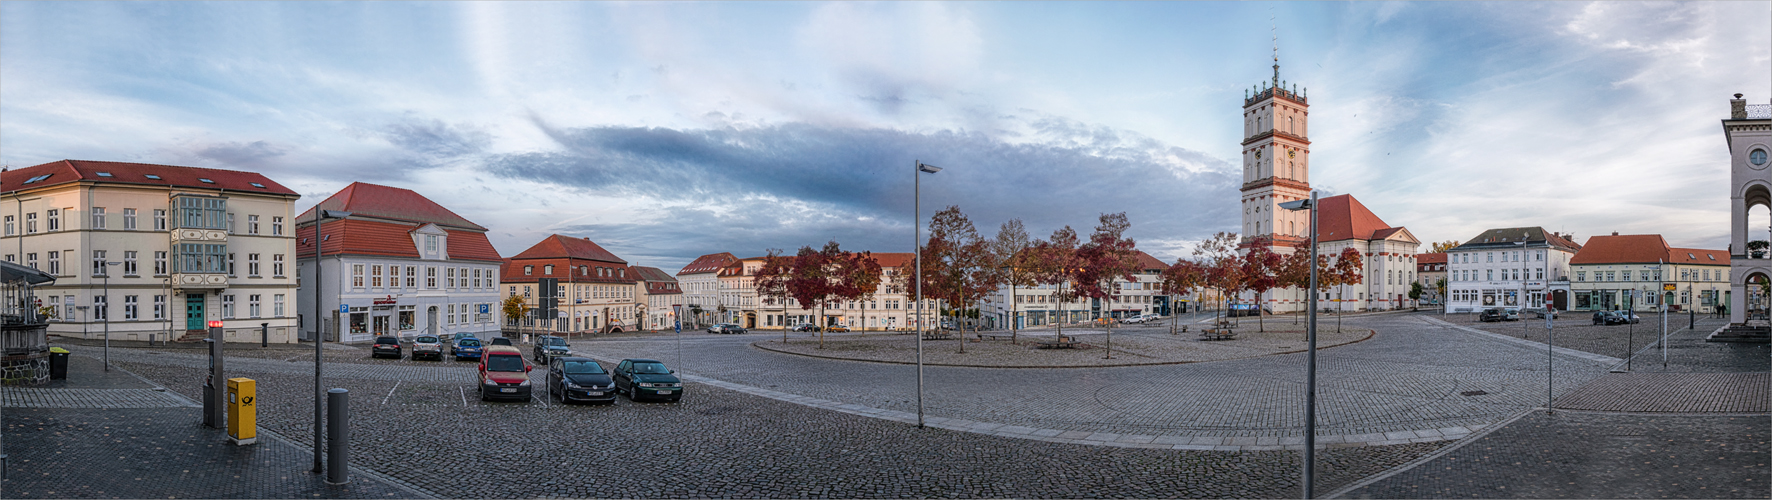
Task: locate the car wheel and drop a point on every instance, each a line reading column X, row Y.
column 483, row 396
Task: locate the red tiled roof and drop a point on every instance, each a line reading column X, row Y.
column 1341, row 217
column 566, row 247
column 657, row 281
column 1629, row 248
column 385, row 202
column 65, row 171
column 391, row 239
column 1430, row 258
column 1699, row 256
column 708, row 263
column 1146, row 261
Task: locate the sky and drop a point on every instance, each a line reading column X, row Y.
column 668, row 130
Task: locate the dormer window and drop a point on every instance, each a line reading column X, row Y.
column 257, row 185
column 431, row 243
column 205, row 181
column 104, row 174
column 528, row 270
column 1690, row 256
column 547, row 270
column 152, row 176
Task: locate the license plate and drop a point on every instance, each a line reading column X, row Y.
column 507, row 390
column 593, row 393
column 664, row 392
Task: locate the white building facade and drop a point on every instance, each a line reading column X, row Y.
column 1509, row 268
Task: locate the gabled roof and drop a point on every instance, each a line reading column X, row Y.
column 651, row 274
column 890, row 260
column 1146, row 261
column 1430, row 258
column 66, row 171
column 386, row 202
column 565, row 247
column 390, row 239
column 1625, row 249
column 1341, row 217
column 1504, row 238
column 1697, row 256
column 709, row 263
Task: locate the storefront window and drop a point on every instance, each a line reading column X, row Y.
column 359, row 322
column 381, row 325
column 406, row 319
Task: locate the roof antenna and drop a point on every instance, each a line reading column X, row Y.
column 1275, row 26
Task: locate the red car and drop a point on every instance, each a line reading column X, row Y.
column 504, row 374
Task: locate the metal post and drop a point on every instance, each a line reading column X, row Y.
column 218, row 383
column 264, row 334
column 917, row 246
column 338, row 408
column 1310, row 398
column 107, row 312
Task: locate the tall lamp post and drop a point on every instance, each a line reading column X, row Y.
column 917, row 241
column 320, row 216
column 1310, row 394
column 103, row 265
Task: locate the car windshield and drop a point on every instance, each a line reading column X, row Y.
column 654, row 368
column 387, row 340
column 426, row 340
column 501, row 341
column 553, row 341
column 504, row 364
column 470, row 342
column 576, row 367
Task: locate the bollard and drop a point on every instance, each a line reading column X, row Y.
column 218, row 415
column 338, row 436
column 264, row 334
column 1691, row 319
column 209, row 405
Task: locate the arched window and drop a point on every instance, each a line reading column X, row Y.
column 1289, row 125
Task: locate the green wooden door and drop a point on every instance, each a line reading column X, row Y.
column 194, row 312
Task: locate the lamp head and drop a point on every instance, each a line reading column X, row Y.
column 924, row 167
column 1296, row 205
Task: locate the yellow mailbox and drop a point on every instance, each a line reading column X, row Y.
column 242, row 410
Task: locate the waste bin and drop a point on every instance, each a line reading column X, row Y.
column 58, row 363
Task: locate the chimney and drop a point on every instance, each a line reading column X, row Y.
column 1738, row 108
column 1615, row 233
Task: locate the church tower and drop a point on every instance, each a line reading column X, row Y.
column 1276, row 161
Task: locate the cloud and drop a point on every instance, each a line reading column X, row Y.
column 797, row 184
column 436, row 139
column 242, row 154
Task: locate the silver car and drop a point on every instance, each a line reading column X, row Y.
column 427, row 346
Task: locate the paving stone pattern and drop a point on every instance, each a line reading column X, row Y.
column 1587, row 455
column 1674, row 393
column 719, row 443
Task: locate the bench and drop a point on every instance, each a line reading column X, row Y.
column 1061, row 343
column 994, row 336
column 937, row 335
column 1218, row 334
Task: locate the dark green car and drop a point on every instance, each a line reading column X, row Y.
column 646, row 378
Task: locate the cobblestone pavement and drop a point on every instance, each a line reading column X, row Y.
column 1132, row 345
column 717, row 443
column 1686, row 346
column 1674, row 393
column 1412, row 376
column 1572, row 454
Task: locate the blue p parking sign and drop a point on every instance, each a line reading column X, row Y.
column 344, row 308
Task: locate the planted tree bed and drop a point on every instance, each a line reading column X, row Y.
column 1138, row 346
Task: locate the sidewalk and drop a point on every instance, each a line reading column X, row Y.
column 114, row 435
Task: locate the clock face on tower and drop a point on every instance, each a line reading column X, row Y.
column 1257, row 154
column 1292, row 153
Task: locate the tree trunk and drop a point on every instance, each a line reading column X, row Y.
column 820, row 323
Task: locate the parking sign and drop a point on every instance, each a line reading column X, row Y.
column 344, row 308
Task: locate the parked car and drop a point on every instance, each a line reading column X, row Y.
column 427, row 346
column 502, row 341
column 549, row 346
column 1499, row 314
column 726, row 328
column 386, row 344
column 645, row 378
column 466, row 347
column 504, row 374
column 574, row 378
column 838, row 328
column 1142, row 318
column 1539, row 312
column 1615, row 317
column 806, row 327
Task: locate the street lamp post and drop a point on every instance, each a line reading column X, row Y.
column 103, row 264
column 320, row 217
column 1310, row 395
column 917, row 240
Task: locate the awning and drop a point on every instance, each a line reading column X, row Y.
column 13, row 273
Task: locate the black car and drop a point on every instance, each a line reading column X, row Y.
column 386, row 345
column 646, row 378
column 726, row 328
column 1498, row 314
column 1615, row 317
column 806, row 327
column 549, row 346
column 579, row 379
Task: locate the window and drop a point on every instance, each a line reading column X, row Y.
column 10, row 257
column 129, row 307
column 231, row 266
column 203, row 213
column 10, row 224
column 450, row 316
column 159, row 307
column 231, row 225
column 202, row 258
column 55, row 220
column 1490, row 255
column 375, row 276
column 159, row 220
column 252, row 224
column 227, row 306
column 252, row 307
column 476, row 278
column 1539, row 273
column 1611, row 275
column 462, row 313
column 277, row 305
column 252, row 265
column 356, row 275
column 277, row 227
column 159, row 263
column 129, row 219
column 277, row 267
column 100, row 308
column 451, row 273
column 528, row 270
column 411, row 276
column 31, row 260
column 129, row 268
column 547, row 270
column 98, row 217
column 431, row 277
column 98, row 263
column 1626, row 275
column 1491, row 274
column 431, row 243
column 31, row 223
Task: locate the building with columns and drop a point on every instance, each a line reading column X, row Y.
column 1748, row 134
column 1276, row 169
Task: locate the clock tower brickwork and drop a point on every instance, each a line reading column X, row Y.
column 1276, row 163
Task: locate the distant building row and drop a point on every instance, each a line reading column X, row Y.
column 1528, row 267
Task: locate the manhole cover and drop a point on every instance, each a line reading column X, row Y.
column 1472, row 393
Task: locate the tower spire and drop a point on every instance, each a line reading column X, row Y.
column 1275, row 26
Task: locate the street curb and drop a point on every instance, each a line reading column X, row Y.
column 1429, row 457
column 1566, row 352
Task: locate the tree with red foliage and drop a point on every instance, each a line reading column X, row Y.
column 1224, row 270
column 1108, row 256
column 810, row 281
column 858, row 277
column 1349, row 269
column 958, row 266
column 771, row 282
column 1050, row 262
column 1260, row 266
